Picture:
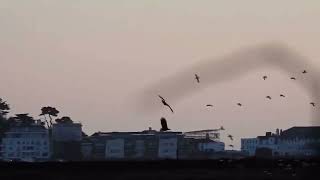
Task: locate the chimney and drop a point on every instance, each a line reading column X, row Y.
column 280, row 132
column 268, row 134
column 277, row 132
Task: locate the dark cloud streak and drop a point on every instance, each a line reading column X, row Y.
column 237, row 64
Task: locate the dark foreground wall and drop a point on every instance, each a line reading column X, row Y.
column 217, row 169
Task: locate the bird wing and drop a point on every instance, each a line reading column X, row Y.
column 161, row 97
column 170, row 108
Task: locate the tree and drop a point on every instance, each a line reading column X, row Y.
column 64, row 119
column 50, row 111
column 23, row 119
column 4, row 109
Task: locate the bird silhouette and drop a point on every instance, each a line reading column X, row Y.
column 239, row 104
column 265, row 77
column 164, row 125
column 231, row 137
column 304, row 71
column 313, row 104
column 197, row 78
column 268, row 97
column 209, row 105
column 293, row 78
column 231, row 145
column 281, row 95
column 222, row 128
column 165, row 103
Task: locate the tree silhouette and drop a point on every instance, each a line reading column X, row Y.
column 64, row 119
column 20, row 120
column 4, row 109
column 50, row 111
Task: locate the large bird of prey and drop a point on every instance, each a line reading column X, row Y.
column 239, row 104
column 164, row 125
column 231, row 137
column 268, row 97
column 165, row 103
column 313, row 104
column 265, row 77
column 197, row 78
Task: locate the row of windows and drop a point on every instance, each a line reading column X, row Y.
column 27, row 154
column 27, row 142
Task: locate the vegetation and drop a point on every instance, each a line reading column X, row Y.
column 49, row 111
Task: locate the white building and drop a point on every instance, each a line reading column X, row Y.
column 115, row 149
column 249, row 145
column 26, row 143
column 211, row 146
column 168, row 147
column 295, row 141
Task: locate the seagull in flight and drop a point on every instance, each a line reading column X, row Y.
column 293, row 78
column 209, row 105
column 268, row 97
column 230, row 136
column 165, row 103
column 231, row 145
column 281, row 95
column 239, row 104
column 197, row 78
column 265, row 77
column 304, row 71
column 313, row 104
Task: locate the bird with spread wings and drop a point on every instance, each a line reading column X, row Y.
column 165, row 103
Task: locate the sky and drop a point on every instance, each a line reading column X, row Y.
column 95, row 60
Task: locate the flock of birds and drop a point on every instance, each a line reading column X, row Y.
column 197, row 78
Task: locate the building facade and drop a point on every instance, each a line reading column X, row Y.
column 296, row 141
column 66, row 141
column 147, row 145
column 29, row 143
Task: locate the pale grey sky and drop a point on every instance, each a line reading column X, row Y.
column 92, row 59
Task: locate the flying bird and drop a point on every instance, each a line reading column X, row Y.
column 239, row 104
column 231, row 137
column 304, row 71
column 164, row 125
column 197, row 78
column 222, row 128
column 293, row 78
column 209, row 105
column 231, row 145
column 269, row 97
column 165, row 103
column 281, row 95
column 265, row 77
column 313, row 104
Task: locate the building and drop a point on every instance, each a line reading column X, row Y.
column 148, row 145
column 296, row 141
column 66, row 141
column 26, row 143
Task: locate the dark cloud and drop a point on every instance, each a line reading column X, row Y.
column 235, row 65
